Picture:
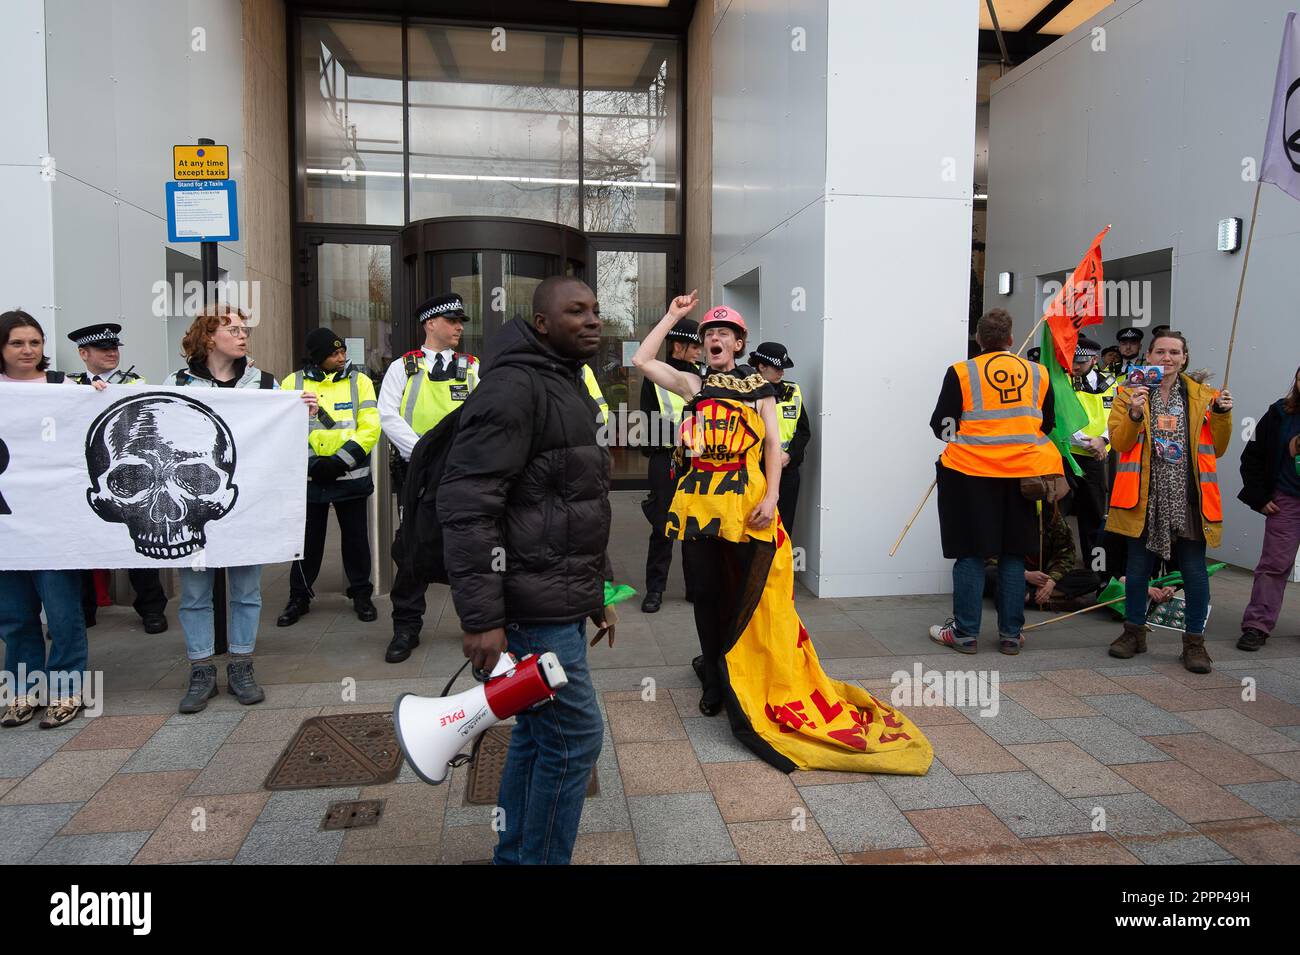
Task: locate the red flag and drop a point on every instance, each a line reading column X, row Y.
column 1079, row 303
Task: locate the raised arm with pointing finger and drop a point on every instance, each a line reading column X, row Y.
column 660, row 372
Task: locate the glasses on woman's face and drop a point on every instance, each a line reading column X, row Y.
column 237, row 331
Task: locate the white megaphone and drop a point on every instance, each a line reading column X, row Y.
column 432, row 729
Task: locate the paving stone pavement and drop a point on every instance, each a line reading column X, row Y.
column 1086, row 760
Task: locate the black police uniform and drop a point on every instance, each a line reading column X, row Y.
column 150, row 598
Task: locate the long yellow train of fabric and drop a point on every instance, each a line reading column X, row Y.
column 785, row 708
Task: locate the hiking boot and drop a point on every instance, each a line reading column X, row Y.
column 946, row 633
column 365, row 610
column 1194, row 658
column 295, row 608
column 61, row 711
column 1251, row 639
column 240, row 682
column 1132, row 640
column 203, row 687
column 20, row 711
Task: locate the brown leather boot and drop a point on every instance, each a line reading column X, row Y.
column 1132, row 640
column 1195, row 659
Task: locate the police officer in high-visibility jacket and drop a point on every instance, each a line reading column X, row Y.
column 341, row 437
column 1129, row 342
column 684, row 348
column 99, row 347
column 771, row 359
column 1090, row 444
column 995, row 411
column 419, row 390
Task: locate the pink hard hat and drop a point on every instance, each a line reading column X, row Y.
column 725, row 315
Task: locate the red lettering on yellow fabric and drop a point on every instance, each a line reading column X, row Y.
column 892, row 723
column 891, row 737
column 853, row 736
column 827, row 710
column 803, row 637
column 861, row 717
column 785, row 716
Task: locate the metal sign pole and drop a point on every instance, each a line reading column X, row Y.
column 210, row 276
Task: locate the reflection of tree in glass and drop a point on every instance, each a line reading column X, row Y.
column 617, row 289
column 378, row 331
column 622, row 129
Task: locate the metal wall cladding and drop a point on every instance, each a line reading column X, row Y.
column 1154, row 135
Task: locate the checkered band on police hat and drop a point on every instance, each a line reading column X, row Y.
column 451, row 305
column 102, row 335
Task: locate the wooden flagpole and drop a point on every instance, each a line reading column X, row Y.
column 928, row 491
column 1245, row 262
column 1067, row 616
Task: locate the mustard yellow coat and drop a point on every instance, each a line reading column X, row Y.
column 1130, row 521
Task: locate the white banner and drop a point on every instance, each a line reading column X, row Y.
column 150, row 476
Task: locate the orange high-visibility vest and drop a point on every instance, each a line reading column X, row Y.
column 1000, row 431
column 1128, row 475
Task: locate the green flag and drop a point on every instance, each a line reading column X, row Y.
column 1115, row 589
column 617, row 593
column 1070, row 416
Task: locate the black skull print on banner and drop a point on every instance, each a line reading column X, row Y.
column 163, row 465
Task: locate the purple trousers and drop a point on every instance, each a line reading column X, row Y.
column 1276, row 563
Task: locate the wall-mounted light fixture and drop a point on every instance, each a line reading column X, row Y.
column 1229, row 234
column 1004, row 283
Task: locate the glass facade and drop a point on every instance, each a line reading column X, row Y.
column 401, row 121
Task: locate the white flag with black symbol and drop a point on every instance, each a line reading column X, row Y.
column 145, row 476
column 1282, row 146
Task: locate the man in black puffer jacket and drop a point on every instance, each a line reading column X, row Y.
column 524, row 508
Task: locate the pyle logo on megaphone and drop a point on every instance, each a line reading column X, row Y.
column 432, row 729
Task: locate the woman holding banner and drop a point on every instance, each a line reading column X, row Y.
column 35, row 675
column 757, row 659
column 1166, row 495
column 216, row 354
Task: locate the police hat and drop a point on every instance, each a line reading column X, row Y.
column 1086, row 348
column 685, row 330
column 101, row 335
column 321, row 343
column 1033, row 353
column 442, row 306
column 771, row 353
column 1129, row 335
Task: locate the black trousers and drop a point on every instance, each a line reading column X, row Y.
column 788, row 497
column 715, row 569
column 408, row 601
column 1090, row 495
column 147, row 584
column 352, row 520
column 659, row 552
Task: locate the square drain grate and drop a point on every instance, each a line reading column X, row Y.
column 354, row 814
column 346, row 749
column 483, row 785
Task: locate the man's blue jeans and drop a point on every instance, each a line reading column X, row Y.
column 1190, row 555
column 968, row 595
column 22, row 595
column 244, row 592
column 552, row 751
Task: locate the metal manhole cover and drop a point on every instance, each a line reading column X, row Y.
column 346, row 749
column 354, row 814
column 484, row 783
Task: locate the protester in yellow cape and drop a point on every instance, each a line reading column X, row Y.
column 758, row 662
